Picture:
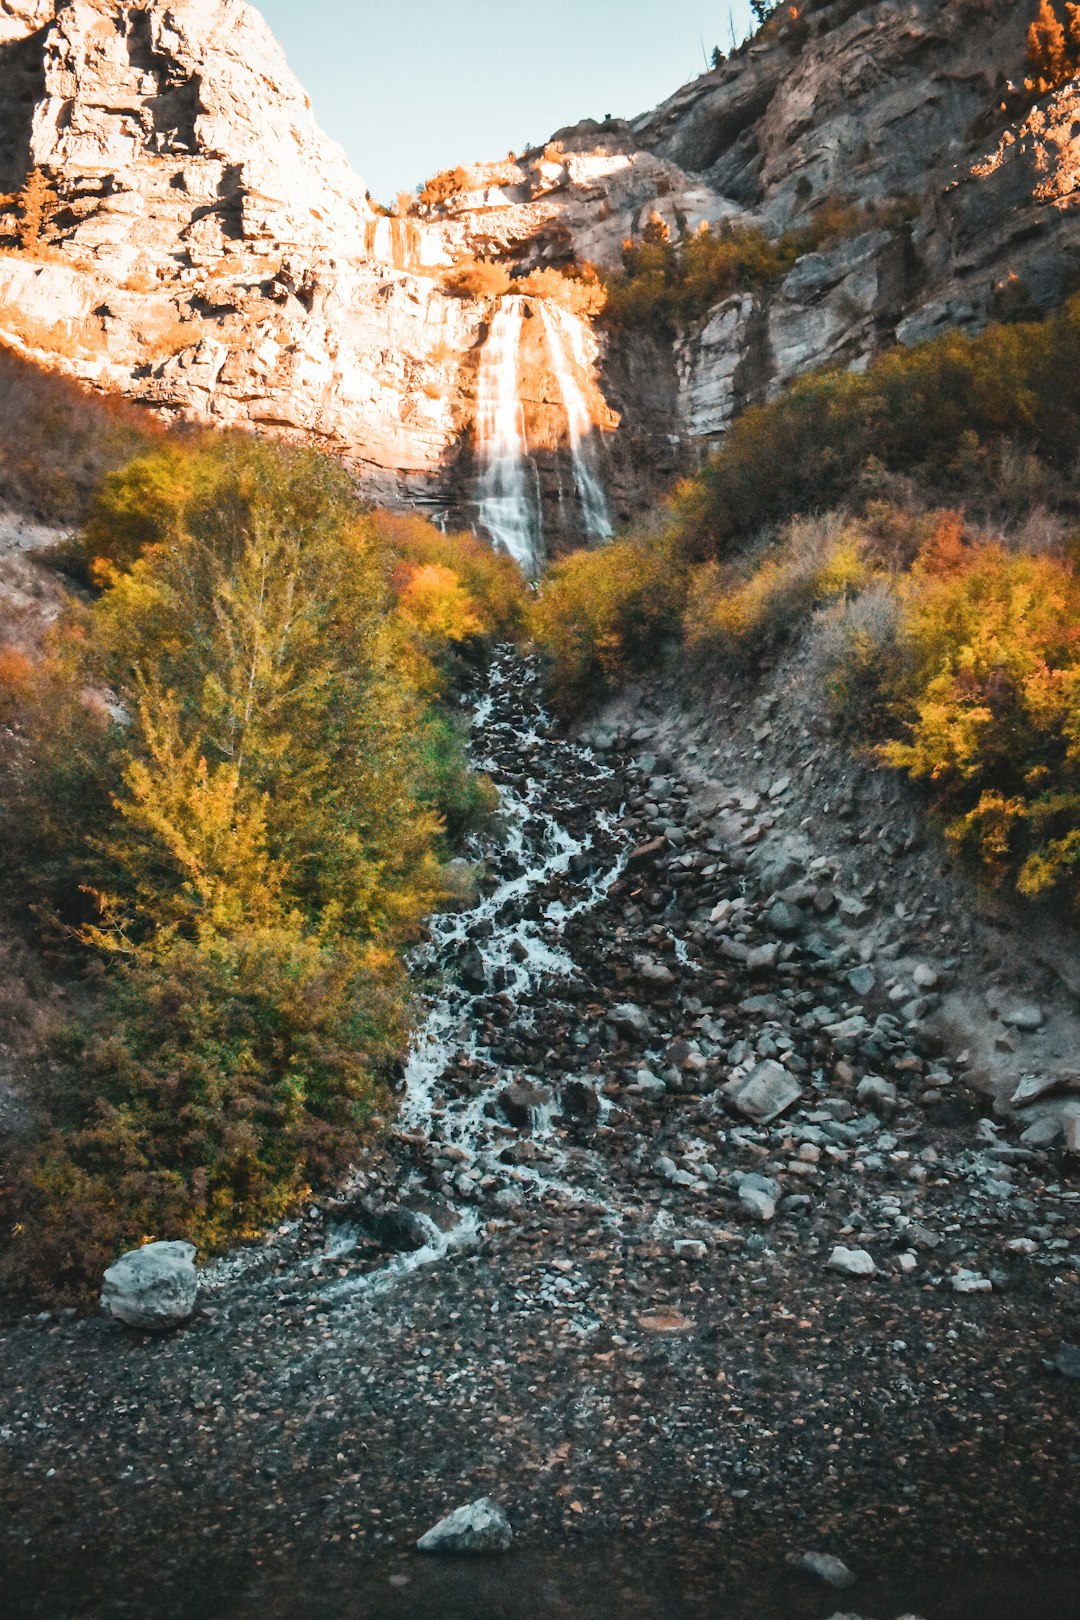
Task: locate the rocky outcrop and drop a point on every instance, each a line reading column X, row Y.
column 192, row 239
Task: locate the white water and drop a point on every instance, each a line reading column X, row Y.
column 508, row 511
column 568, row 357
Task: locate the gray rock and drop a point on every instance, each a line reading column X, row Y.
column 763, row 957
column 154, row 1287
column 1027, row 1018
column 784, row 919
column 758, row 1197
column 874, row 1089
column 854, row 1262
column 926, row 977
column 862, row 980
column 824, row 1567
column 481, row 1527
column 689, row 1249
column 1033, row 1086
column 1067, row 1360
column 765, row 1093
column 971, row 1282
column 630, row 1019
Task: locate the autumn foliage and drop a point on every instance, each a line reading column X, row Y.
column 233, row 787
column 1053, row 46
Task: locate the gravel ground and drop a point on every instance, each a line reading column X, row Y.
column 579, row 1279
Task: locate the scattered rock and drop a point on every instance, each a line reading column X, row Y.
column 855, row 1262
column 1026, row 1018
column 481, row 1527
column 758, row 1196
column 1067, row 1360
column 765, row 1093
column 824, row 1567
column 971, row 1282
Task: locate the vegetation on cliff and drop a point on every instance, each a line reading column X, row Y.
column 948, row 637
column 232, row 791
column 669, row 281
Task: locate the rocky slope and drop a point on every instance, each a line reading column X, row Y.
column 693, row 1241
column 198, row 244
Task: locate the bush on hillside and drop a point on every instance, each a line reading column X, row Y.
column 992, row 642
column 602, row 614
column 57, row 441
column 231, row 785
column 740, row 611
column 670, row 282
column 477, row 278
column 1053, row 47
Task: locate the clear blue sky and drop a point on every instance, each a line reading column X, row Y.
column 412, row 86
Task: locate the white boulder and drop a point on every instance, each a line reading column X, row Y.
column 154, row 1287
column 480, row 1527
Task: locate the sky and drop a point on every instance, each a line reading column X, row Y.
column 410, row 87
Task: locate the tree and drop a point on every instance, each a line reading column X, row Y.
column 37, row 204
column 1048, row 53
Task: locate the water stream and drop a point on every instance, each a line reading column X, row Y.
column 509, row 511
column 566, row 343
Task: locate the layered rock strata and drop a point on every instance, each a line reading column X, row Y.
column 176, row 227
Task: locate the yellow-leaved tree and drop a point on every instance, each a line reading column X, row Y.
column 239, row 789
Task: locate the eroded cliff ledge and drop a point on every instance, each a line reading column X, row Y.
column 195, row 242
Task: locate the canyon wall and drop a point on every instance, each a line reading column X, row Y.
column 174, row 226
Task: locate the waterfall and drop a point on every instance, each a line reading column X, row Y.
column 567, row 345
column 507, row 509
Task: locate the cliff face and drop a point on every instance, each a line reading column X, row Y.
column 197, row 243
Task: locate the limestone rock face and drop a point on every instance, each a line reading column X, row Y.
column 197, row 243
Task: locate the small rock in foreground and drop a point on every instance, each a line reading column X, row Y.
column 824, row 1567
column 856, row 1262
column 153, row 1287
column 480, row 1527
column 763, row 1094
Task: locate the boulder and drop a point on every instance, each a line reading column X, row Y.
column 481, row 1527
column 154, row 1287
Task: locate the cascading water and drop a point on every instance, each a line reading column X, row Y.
column 508, row 511
column 567, row 346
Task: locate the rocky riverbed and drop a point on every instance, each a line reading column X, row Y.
column 693, row 1245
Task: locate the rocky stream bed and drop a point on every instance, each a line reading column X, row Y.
column 690, row 1246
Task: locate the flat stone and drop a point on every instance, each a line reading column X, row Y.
column 862, row 980
column 481, row 1527
column 1033, row 1086
column 765, row 1093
